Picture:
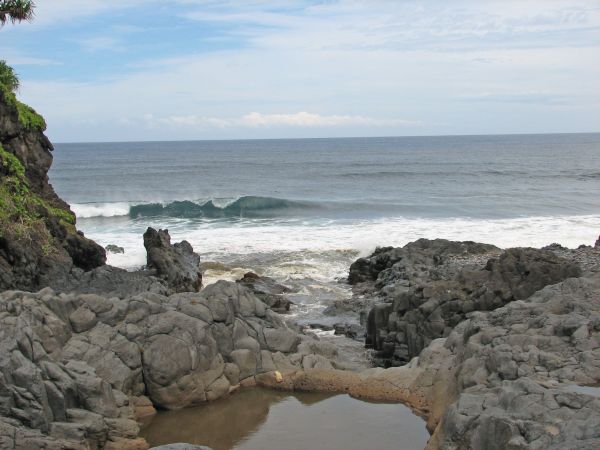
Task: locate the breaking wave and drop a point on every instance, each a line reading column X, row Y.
column 247, row 206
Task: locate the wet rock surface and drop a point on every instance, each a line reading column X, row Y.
column 112, row 248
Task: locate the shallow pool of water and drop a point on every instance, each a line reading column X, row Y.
column 260, row 419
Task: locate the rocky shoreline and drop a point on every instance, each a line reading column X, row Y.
column 482, row 342
column 77, row 369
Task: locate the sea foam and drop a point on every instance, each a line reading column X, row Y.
column 325, row 250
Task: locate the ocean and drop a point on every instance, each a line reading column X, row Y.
column 301, row 210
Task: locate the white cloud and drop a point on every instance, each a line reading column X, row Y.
column 260, row 120
column 390, row 24
column 459, row 67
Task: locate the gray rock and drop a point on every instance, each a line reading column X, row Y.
column 70, row 362
column 507, row 369
column 110, row 281
column 281, row 340
column 246, row 361
column 426, row 292
column 177, row 264
column 82, row 319
column 268, row 291
column 111, row 248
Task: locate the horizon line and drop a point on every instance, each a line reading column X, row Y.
column 326, row 138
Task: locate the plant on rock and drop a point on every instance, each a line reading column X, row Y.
column 8, row 77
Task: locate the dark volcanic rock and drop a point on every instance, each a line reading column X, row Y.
column 269, row 291
column 86, row 254
column 351, row 330
column 38, row 240
column 113, row 282
column 367, row 269
column 177, row 264
column 425, row 299
column 421, row 257
column 112, row 248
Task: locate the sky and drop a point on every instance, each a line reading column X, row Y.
column 127, row 70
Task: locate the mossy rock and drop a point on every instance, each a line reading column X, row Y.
column 28, row 117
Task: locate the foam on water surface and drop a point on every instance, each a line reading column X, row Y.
column 326, row 250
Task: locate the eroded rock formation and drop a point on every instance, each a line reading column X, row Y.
column 73, row 366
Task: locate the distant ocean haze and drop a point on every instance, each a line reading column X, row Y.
column 308, row 207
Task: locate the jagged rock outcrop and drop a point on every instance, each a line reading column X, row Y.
column 176, row 264
column 502, row 379
column 73, row 365
column 424, row 297
column 39, row 243
column 268, row 290
column 421, row 259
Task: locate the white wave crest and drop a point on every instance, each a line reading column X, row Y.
column 87, row 210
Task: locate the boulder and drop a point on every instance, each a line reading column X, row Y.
column 176, row 264
column 269, row 291
column 112, row 248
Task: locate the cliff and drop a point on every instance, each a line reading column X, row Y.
column 39, row 243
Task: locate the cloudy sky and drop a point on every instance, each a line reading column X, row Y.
column 110, row 70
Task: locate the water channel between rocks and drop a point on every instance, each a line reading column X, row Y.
column 261, row 419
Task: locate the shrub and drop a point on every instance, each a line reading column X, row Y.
column 8, row 77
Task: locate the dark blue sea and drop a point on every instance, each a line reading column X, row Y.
column 305, row 208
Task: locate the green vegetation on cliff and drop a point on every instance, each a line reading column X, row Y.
column 8, row 77
column 30, row 119
column 22, row 212
column 9, row 83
